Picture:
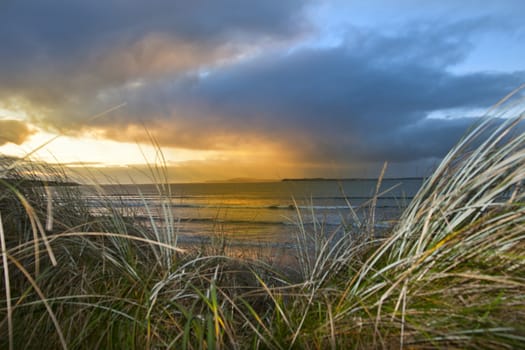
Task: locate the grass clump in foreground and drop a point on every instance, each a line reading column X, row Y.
column 450, row 274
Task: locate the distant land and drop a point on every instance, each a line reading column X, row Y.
column 241, row 180
column 355, row 179
column 312, row 179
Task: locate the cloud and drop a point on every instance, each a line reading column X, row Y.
column 201, row 76
column 14, row 131
column 366, row 100
column 57, row 53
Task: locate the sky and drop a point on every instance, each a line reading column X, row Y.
column 251, row 89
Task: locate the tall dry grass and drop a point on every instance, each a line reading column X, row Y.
column 450, row 274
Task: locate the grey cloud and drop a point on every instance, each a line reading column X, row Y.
column 346, row 103
column 60, row 51
column 64, row 27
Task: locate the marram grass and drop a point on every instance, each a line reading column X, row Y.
column 449, row 274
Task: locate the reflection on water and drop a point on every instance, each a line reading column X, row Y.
column 258, row 213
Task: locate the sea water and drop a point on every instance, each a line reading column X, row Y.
column 254, row 213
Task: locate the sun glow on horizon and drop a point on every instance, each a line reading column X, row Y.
column 127, row 160
column 91, row 150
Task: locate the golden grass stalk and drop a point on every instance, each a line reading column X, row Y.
column 7, row 284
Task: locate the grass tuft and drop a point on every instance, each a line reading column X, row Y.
column 449, row 274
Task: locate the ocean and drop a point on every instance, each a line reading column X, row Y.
column 255, row 213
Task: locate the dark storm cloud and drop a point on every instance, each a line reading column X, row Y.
column 366, row 100
column 63, row 26
column 59, row 51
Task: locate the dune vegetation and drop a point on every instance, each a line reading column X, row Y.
column 450, row 273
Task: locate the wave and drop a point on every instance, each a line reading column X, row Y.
column 215, row 221
column 190, row 239
column 219, row 206
column 229, row 197
column 211, row 221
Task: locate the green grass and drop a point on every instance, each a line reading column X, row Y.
column 449, row 274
